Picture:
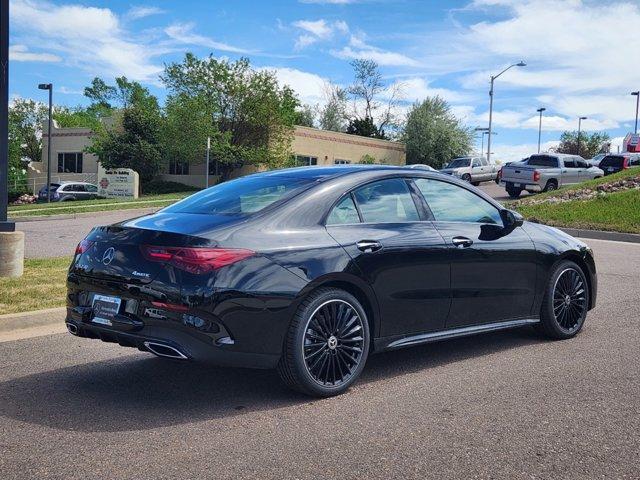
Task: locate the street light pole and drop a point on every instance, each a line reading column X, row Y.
column 493, row 78
column 48, row 86
column 540, row 110
column 5, row 225
column 208, row 151
column 579, row 130
column 637, row 95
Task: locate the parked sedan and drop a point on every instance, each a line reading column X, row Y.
column 69, row 191
column 310, row 271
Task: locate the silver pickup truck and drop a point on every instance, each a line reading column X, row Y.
column 471, row 169
column 544, row 172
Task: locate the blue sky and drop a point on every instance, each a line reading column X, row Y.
column 582, row 56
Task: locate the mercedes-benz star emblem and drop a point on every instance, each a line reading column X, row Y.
column 109, row 253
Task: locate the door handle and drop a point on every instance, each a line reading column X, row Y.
column 368, row 246
column 463, row 242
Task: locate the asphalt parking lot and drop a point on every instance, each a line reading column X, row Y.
column 505, row 405
column 59, row 237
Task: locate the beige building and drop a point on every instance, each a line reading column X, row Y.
column 311, row 146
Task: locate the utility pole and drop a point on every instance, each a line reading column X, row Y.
column 579, row 131
column 540, row 110
column 637, row 95
column 208, row 152
column 48, row 86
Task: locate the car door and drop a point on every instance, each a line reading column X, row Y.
column 487, row 170
column 570, row 172
column 382, row 226
column 583, row 169
column 477, row 171
column 493, row 271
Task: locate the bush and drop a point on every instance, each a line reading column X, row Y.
column 16, row 193
column 157, row 187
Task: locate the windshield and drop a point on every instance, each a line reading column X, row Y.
column 459, row 162
column 242, row 196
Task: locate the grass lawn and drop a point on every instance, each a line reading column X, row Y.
column 43, row 285
column 60, row 208
column 619, row 212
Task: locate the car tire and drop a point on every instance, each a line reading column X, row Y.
column 475, row 184
column 514, row 192
column 565, row 302
column 466, row 177
column 550, row 186
column 327, row 344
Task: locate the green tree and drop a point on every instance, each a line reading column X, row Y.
column 247, row 114
column 433, row 135
column 25, row 126
column 364, row 127
column 367, row 159
column 590, row 143
column 333, row 115
column 305, row 116
column 134, row 141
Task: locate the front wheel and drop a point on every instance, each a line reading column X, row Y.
column 327, row 344
column 466, row 177
column 513, row 192
column 565, row 303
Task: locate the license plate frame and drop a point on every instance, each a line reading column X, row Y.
column 105, row 307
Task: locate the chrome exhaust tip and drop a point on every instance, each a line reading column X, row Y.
column 162, row 350
column 72, row 328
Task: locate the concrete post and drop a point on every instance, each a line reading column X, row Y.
column 11, row 254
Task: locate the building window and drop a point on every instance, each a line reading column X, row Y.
column 178, row 168
column 342, row 162
column 305, row 161
column 70, row 162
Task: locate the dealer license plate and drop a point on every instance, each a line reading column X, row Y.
column 105, row 308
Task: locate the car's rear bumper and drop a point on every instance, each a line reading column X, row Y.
column 529, row 187
column 190, row 343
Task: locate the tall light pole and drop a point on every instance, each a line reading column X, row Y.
column 208, row 153
column 5, row 225
column 483, row 131
column 493, row 78
column 540, row 110
column 637, row 95
column 48, row 86
column 579, row 130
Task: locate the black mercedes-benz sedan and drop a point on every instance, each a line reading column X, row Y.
column 311, row 270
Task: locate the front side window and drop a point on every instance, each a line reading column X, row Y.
column 386, row 201
column 344, row 212
column 485, row 162
column 451, row 203
column 476, row 162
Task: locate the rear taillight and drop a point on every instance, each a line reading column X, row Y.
column 536, row 175
column 625, row 163
column 83, row 246
column 500, row 173
column 195, row 260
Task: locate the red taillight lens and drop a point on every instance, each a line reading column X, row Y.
column 625, row 163
column 196, row 260
column 500, row 173
column 83, row 246
column 536, row 176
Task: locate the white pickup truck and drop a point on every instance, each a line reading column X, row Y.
column 544, row 172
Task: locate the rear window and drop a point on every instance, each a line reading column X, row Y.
column 612, row 161
column 243, row 196
column 542, row 161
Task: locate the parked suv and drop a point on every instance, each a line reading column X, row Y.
column 615, row 163
column 67, row 191
column 471, row 169
column 544, row 172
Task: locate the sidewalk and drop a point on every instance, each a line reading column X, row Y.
column 16, row 326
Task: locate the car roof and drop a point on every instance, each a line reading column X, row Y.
column 67, row 182
column 326, row 172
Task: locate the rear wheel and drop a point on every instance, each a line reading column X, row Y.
column 327, row 344
column 565, row 303
column 550, row 186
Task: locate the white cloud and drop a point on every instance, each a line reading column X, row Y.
column 510, row 153
column 69, row 91
column 88, row 37
column 417, row 88
column 358, row 48
column 316, row 30
column 183, row 33
column 308, row 86
column 21, row 53
column 142, row 11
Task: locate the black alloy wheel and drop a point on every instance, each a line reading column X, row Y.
column 466, row 177
column 566, row 302
column 327, row 344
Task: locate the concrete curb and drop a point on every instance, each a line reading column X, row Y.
column 35, row 318
column 41, row 218
column 602, row 235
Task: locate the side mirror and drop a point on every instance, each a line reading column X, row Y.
column 511, row 219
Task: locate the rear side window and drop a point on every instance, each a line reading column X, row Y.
column 542, row 161
column 344, row 212
column 451, row 203
column 570, row 163
column 386, row 201
column 616, row 161
column 243, row 196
